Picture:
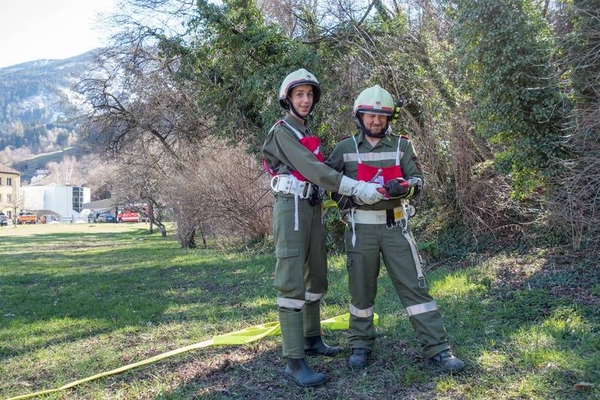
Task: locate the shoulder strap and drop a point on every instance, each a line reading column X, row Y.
column 298, row 134
column 356, row 147
column 398, row 151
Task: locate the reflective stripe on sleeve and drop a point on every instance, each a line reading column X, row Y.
column 357, row 312
column 313, row 296
column 293, row 304
column 421, row 308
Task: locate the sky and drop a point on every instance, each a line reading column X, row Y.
column 50, row 29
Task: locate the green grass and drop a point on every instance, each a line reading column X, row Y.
column 78, row 300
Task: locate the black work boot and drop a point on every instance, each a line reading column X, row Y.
column 358, row 358
column 302, row 375
column 447, row 361
column 314, row 345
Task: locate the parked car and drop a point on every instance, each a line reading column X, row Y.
column 26, row 218
column 49, row 219
column 105, row 217
column 129, row 216
column 3, row 219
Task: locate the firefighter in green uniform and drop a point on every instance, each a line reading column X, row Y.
column 381, row 230
column 292, row 156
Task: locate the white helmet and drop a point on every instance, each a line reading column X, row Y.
column 297, row 78
column 374, row 100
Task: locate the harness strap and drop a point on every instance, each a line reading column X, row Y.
column 356, row 147
column 372, row 217
column 413, row 250
column 295, row 211
column 358, row 153
column 353, row 224
column 291, row 128
column 296, row 132
column 287, row 184
column 389, row 218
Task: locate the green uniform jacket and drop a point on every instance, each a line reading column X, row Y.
column 344, row 159
column 283, row 152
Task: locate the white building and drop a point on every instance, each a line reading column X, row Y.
column 66, row 201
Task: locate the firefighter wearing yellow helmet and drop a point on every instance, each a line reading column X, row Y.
column 381, row 230
column 292, row 156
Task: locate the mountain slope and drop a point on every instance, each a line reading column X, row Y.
column 36, row 107
column 32, row 91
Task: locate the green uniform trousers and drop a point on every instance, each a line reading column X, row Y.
column 363, row 264
column 300, row 272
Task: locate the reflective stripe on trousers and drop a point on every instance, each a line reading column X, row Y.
column 297, row 304
column 421, row 308
column 411, row 310
column 368, row 312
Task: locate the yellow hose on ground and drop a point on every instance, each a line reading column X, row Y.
column 243, row 336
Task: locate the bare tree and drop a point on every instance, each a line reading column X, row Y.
column 67, row 172
column 575, row 199
column 223, row 192
column 133, row 97
column 140, row 115
column 215, row 77
column 141, row 185
column 150, row 122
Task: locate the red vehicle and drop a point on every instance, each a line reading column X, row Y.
column 129, row 216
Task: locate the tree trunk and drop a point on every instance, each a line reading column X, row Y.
column 151, row 217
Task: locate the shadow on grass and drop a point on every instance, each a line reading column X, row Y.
column 46, row 293
column 533, row 336
column 519, row 337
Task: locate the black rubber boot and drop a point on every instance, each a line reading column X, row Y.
column 314, row 345
column 448, row 361
column 302, row 375
column 358, row 358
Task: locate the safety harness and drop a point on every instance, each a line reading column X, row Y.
column 295, row 183
column 392, row 218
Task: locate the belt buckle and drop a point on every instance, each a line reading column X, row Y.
column 288, row 186
column 398, row 213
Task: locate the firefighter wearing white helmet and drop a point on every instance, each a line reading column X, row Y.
column 374, row 101
column 297, row 78
column 292, row 156
column 381, row 230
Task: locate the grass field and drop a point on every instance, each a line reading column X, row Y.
column 78, row 300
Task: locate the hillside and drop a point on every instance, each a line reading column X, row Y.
column 29, row 166
column 37, row 113
column 35, row 92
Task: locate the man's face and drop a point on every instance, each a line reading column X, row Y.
column 375, row 123
column 302, row 99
